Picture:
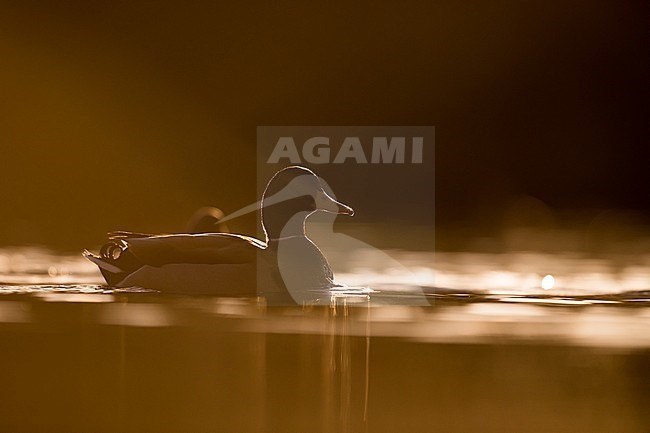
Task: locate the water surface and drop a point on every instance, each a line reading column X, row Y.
column 491, row 350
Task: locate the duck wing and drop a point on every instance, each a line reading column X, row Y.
column 212, row 248
column 123, row 234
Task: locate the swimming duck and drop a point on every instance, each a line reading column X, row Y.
column 285, row 267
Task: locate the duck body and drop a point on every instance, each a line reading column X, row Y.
column 211, row 263
column 288, row 266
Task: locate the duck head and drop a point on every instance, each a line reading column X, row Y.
column 291, row 195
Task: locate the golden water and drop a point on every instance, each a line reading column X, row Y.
column 505, row 356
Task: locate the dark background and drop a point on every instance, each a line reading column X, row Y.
column 133, row 114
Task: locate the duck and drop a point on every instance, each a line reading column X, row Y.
column 285, row 266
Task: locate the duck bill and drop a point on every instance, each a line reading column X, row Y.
column 327, row 204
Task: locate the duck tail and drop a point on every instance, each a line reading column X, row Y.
column 115, row 262
column 207, row 220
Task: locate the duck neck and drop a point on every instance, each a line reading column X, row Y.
column 278, row 229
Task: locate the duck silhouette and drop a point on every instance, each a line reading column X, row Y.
column 285, row 267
